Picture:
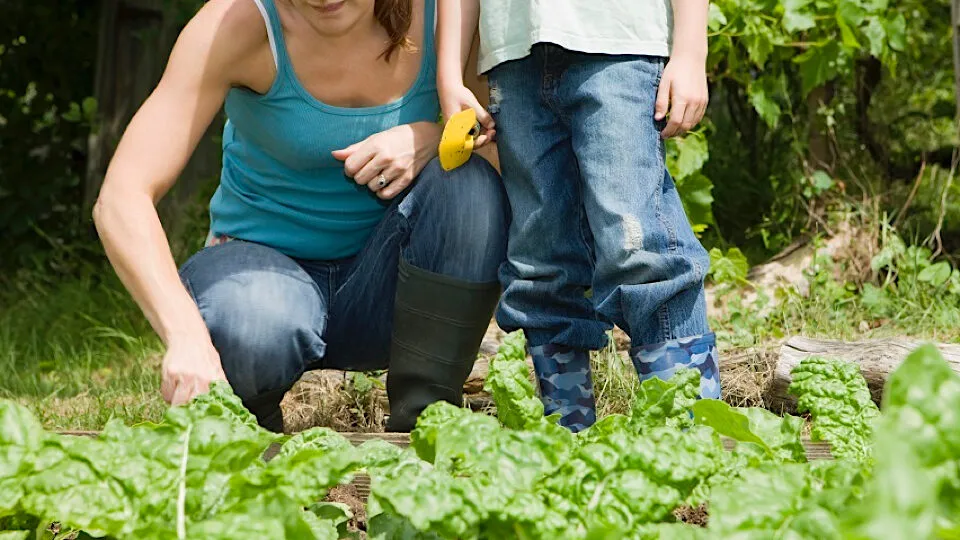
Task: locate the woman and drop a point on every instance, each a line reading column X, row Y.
column 336, row 239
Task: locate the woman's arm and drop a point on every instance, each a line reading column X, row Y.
column 150, row 156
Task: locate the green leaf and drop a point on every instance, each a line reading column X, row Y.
column 771, row 501
column 846, row 33
column 876, row 300
column 779, row 437
column 902, row 501
column 761, row 93
column 851, row 13
column 915, row 452
column 21, row 437
column 696, row 194
column 797, row 16
column 837, row 396
column 876, row 37
column 687, row 155
column 265, row 516
column 726, row 421
column 322, row 529
column 892, row 252
column 936, row 274
column 14, row 535
column 666, row 403
column 717, row 19
column 918, row 392
column 391, row 527
column 322, row 439
column 305, row 468
column 896, row 30
column 819, row 64
column 731, row 267
column 821, row 182
column 509, row 382
column 89, row 107
column 759, row 40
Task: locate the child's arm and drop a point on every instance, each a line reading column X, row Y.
column 457, row 22
column 683, row 87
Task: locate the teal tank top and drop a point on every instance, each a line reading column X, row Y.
column 279, row 185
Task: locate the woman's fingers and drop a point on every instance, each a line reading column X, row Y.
column 399, row 180
column 183, row 393
column 368, row 174
column 168, row 387
column 358, row 158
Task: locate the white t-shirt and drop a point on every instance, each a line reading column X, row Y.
column 508, row 28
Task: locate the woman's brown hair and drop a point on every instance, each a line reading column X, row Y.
column 395, row 17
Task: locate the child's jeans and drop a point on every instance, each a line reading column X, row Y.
column 593, row 205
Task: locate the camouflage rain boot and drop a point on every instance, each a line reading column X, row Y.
column 663, row 359
column 566, row 385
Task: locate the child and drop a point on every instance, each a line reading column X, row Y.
column 579, row 96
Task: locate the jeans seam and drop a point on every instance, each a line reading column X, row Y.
column 663, row 313
column 672, row 241
column 581, row 211
column 186, row 285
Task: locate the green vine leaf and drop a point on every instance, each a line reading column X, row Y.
column 819, row 65
column 796, row 16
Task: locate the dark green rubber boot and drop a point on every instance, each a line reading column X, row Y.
column 438, row 324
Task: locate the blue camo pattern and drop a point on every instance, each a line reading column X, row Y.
column 566, row 385
column 662, row 361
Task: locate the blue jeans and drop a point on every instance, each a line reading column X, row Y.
column 272, row 317
column 593, row 204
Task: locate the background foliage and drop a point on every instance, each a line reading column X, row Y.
column 813, row 103
column 47, row 56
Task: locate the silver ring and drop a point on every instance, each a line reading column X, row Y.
column 382, row 181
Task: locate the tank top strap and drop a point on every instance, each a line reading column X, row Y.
column 268, row 8
column 429, row 26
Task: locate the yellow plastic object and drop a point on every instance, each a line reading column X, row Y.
column 456, row 143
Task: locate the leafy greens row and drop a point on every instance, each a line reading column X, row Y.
column 201, row 472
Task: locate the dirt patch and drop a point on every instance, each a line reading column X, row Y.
column 337, row 400
column 693, row 516
column 746, row 375
column 347, row 494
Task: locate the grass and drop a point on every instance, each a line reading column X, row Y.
column 76, row 350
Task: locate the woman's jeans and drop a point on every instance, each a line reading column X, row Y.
column 272, row 317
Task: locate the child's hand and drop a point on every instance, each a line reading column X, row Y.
column 683, row 89
column 456, row 98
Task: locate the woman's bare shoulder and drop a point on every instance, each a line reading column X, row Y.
column 229, row 36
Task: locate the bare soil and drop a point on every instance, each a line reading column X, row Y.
column 347, row 494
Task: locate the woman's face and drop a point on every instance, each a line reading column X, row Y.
column 335, row 17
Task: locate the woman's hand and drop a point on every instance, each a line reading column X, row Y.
column 457, row 97
column 683, row 90
column 189, row 366
column 399, row 154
